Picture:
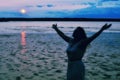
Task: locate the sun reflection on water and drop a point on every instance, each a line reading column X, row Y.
column 23, row 42
column 23, row 38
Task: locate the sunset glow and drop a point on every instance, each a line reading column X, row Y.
column 23, row 11
column 60, row 9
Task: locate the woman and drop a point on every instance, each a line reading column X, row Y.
column 76, row 49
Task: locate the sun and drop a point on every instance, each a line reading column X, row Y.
column 23, row 11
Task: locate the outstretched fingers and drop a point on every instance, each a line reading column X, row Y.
column 106, row 26
column 109, row 25
column 54, row 26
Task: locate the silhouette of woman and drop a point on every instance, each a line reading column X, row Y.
column 76, row 49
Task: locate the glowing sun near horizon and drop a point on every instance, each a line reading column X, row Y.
column 23, row 11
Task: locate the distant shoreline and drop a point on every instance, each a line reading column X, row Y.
column 58, row 19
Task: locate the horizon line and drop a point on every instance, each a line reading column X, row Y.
column 57, row 19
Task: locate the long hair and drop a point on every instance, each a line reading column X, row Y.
column 79, row 34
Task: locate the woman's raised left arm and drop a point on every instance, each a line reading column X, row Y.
column 106, row 26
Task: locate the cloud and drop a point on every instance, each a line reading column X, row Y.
column 58, row 8
column 109, row 0
column 42, row 6
column 29, row 6
column 39, row 6
column 49, row 5
column 64, row 7
column 93, row 12
column 109, row 3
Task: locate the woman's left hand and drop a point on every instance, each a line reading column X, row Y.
column 106, row 26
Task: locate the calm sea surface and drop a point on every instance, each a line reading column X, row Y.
column 45, row 26
column 34, row 58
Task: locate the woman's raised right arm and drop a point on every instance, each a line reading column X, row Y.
column 60, row 33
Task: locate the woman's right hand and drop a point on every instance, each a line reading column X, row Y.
column 54, row 26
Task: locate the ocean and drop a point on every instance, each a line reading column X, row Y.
column 45, row 26
column 33, row 51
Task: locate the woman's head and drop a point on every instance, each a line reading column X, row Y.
column 79, row 34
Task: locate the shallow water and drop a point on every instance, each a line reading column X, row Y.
column 43, row 56
column 33, row 52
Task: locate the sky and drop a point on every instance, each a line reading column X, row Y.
column 60, row 8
